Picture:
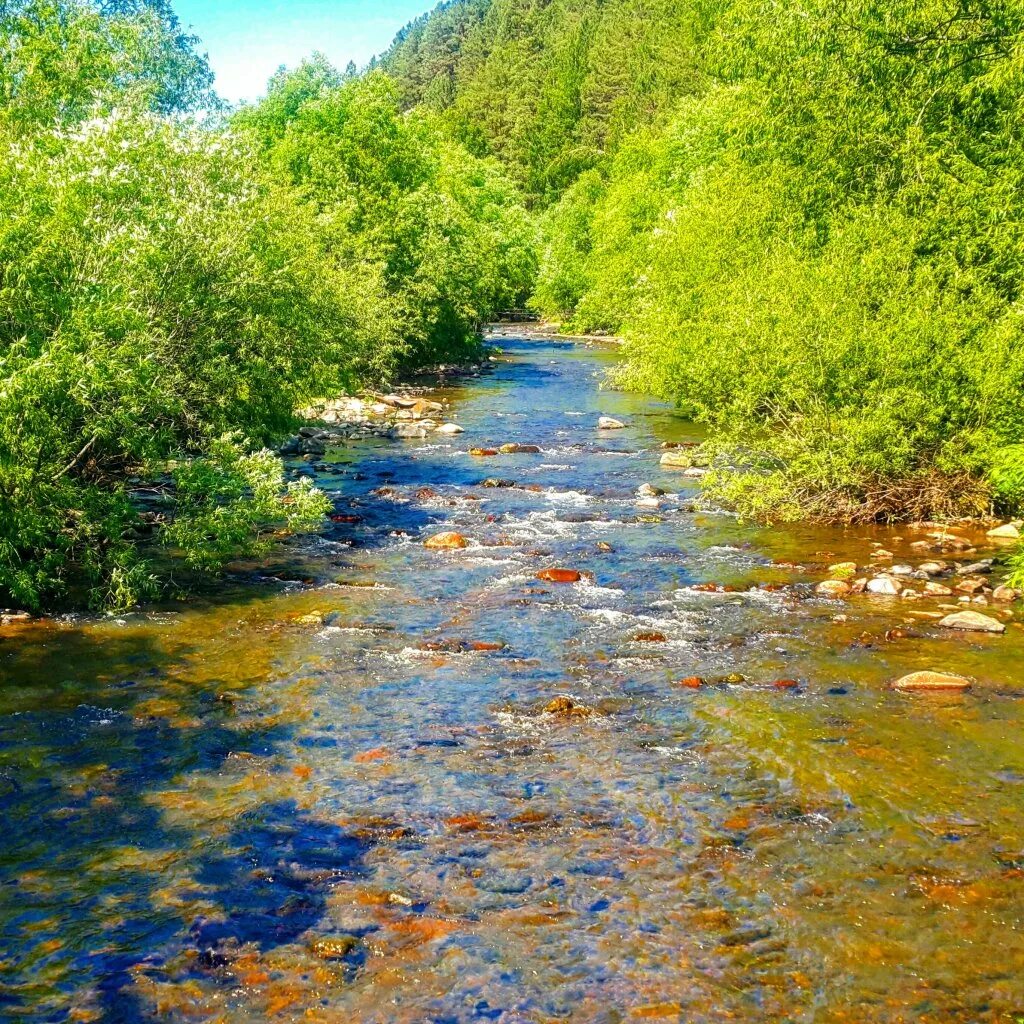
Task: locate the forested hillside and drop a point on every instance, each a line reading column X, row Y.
column 805, row 220
column 174, row 283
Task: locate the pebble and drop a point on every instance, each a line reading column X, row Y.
column 833, row 588
column 566, row 707
column 937, row 590
column 409, row 430
column 1009, row 531
column 335, row 948
column 520, row 449
column 555, row 575
column 883, row 586
column 932, row 681
column 973, row 622
column 447, row 540
column 678, row 458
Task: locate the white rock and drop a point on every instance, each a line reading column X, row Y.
column 607, row 423
column 974, row 622
column 450, row 428
column 1011, row 531
column 884, row 586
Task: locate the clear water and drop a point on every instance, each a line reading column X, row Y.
column 194, row 799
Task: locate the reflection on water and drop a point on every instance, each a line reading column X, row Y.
column 354, row 799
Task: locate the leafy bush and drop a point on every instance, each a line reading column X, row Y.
column 172, row 289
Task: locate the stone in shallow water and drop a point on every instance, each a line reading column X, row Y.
column 450, row 428
column 973, row 622
column 1010, row 531
column 884, row 586
column 559, row 575
column 334, row 948
column 833, row 588
column 608, row 423
column 446, row 540
column 932, row 681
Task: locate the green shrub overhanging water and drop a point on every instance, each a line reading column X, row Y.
column 804, row 218
column 174, row 284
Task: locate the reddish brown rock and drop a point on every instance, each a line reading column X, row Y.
column 692, row 682
column 556, row 575
column 833, row 589
column 447, row 540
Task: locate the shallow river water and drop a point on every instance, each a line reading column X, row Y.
column 323, row 797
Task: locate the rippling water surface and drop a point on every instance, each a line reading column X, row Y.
column 325, row 797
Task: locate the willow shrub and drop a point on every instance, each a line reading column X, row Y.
column 838, row 294
column 171, row 290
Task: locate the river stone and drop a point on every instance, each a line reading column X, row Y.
column 607, row 423
column 833, row 588
column 335, row 948
column 398, row 401
column 974, row 622
column 883, row 586
column 446, row 540
column 1005, row 594
column 450, row 428
column 933, row 568
column 649, row 491
column 937, row 590
column 677, row 458
column 1009, row 531
column 409, row 430
column 556, row 575
column 932, row 681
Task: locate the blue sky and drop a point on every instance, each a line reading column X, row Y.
column 247, row 40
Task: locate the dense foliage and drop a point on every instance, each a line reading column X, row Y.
column 171, row 288
column 804, row 219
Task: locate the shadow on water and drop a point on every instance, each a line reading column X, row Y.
column 268, row 883
column 87, row 850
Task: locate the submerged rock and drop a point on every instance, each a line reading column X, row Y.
column 649, row 491
column 520, row 449
column 449, row 539
column 608, row 423
column 973, row 622
column 566, row 707
column 678, row 458
column 555, row 575
column 833, row 588
column 932, row 681
column 335, row 948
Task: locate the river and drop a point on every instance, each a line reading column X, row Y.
column 345, row 788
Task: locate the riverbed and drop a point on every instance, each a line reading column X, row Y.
column 371, row 781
